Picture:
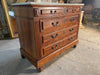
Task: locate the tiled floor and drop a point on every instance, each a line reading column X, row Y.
column 83, row 60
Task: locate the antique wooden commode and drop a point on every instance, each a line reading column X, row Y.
column 46, row 29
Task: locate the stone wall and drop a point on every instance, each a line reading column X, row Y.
column 4, row 30
column 97, row 4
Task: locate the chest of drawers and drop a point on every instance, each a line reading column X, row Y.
column 46, row 30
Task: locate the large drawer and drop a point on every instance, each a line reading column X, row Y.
column 53, row 47
column 71, row 21
column 50, row 25
column 58, row 35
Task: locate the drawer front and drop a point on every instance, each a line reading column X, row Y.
column 43, row 12
column 72, row 38
column 49, row 49
column 71, row 21
column 72, row 10
column 50, row 25
column 58, row 35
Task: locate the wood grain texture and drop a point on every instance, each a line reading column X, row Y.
column 57, row 45
column 58, row 35
column 46, row 31
column 56, row 53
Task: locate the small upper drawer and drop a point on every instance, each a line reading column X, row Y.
column 71, row 10
column 48, row 25
column 43, row 12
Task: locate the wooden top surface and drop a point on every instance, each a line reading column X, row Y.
column 50, row 4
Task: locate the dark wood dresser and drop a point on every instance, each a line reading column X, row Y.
column 46, row 30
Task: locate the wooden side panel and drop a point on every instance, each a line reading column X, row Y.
column 23, row 11
column 25, row 25
column 37, row 38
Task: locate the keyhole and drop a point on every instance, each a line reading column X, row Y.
column 54, row 11
column 67, row 10
column 51, row 11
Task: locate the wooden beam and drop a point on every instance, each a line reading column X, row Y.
column 4, row 4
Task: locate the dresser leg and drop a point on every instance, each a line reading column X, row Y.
column 74, row 46
column 40, row 69
column 22, row 57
